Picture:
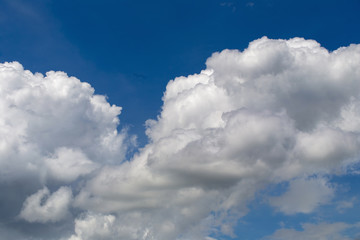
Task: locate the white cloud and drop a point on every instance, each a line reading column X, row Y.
column 68, row 164
column 94, row 227
column 43, row 207
column 303, row 196
column 320, row 231
column 268, row 114
column 342, row 206
column 327, row 145
column 40, row 115
column 53, row 130
column 278, row 111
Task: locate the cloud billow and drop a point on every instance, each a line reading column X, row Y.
column 279, row 111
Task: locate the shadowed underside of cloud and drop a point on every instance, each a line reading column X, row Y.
column 279, row 111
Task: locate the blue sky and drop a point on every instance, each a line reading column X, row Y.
column 264, row 105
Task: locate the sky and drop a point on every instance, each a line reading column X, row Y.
column 186, row 120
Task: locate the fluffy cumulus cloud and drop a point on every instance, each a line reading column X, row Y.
column 66, row 164
column 53, row 131
column 54, row 119
column 42, row 207
column 279, row 111
column 94, row 227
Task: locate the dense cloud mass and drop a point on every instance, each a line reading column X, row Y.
column 53, row 132
column 279, row 111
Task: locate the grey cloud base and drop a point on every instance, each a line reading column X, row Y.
column 279, row 111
